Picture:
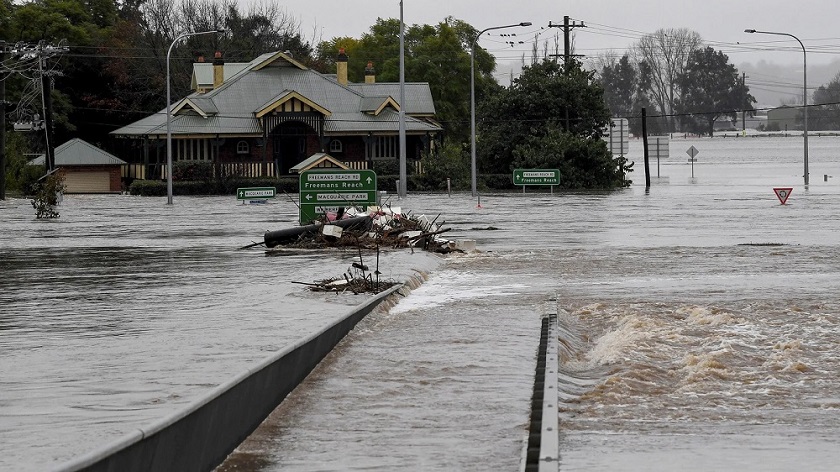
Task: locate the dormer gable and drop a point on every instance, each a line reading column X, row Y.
column 290, row 101
column 375, row 105
column 277, row 59
column 203, row 106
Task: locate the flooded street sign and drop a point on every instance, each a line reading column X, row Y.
column 248, row 193
column 782, row 193
column 323, row 191
column 692, row 152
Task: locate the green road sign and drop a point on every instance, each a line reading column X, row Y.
column 536, row 177
column 327, row 190
column 253, row 193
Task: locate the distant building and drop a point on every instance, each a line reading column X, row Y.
column 86, row 168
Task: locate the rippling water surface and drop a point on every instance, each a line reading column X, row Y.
column 700, row 321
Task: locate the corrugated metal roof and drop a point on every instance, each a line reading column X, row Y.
column 251, row 89
column 77, row 152
column 418, row 95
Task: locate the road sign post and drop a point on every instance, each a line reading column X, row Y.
column 692, row 153
column 525, row 177
column 327, row 190
column 255, row 194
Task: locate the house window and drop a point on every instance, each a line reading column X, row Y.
column 193, row 150
column 336, row 146
column 242, row 147
column 385, row 147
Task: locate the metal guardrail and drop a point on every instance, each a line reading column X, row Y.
column 200, row 437
column 543, row 447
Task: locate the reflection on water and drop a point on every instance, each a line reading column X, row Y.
column 700, row 322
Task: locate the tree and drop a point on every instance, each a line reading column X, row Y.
column 710, row 89
column 826, row 111
column 526, row 125
column 437, row 54
column 620, row 82
column 666, row 53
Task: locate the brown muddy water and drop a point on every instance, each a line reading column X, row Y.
column 700, row 321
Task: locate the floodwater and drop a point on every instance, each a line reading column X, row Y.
column 700, row 320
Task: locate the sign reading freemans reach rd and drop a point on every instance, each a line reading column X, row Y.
column 326, row 190
column 536, row 177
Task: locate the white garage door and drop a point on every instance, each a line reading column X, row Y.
column 87, row 182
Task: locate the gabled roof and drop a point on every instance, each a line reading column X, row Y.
column 418, row 95
column 290, row 96
column 202, row 105
column 318, row 160
column 247, row 96
column 77, row 152
column 375, row 105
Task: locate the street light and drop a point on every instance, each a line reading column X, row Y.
column 169, row 114
column 472, row 95
column 804, row 88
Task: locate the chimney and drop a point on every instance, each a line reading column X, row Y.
column 341, row 67
column 370, row 73
column 218, row 70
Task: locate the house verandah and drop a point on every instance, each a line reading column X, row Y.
column 273, row 114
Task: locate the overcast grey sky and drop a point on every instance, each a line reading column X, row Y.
column 611, row 25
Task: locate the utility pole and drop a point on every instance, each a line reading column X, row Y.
column 46, row 97
column 567, row 43
column 2, row 124
column 567, row 53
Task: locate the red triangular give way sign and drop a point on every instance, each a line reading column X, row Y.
column 783, row 193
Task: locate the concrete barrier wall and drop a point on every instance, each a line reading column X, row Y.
column 201, row 436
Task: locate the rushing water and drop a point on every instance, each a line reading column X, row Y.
column 700, row 321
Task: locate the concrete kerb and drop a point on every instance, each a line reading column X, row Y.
column 200, row 436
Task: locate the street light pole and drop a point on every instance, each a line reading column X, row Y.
column 804, row 89
column 169, row 114
column 472, row 96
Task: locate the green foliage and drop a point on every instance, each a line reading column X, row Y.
column 451, row 162
column 192, row 170
column 20, row 176
column 47, row 195
column 438, row 54
column 149, row 188
column 711, row 89
column 583, row 163
column 550, row 117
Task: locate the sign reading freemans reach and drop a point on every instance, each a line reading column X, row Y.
column 536, row 177
column 326, row 190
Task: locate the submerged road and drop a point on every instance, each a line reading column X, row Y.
column 442, row 381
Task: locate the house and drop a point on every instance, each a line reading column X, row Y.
column 270, row 114
column 86, row 168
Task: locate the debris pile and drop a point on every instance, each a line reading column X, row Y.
column 378, row 227
column 375, row 228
